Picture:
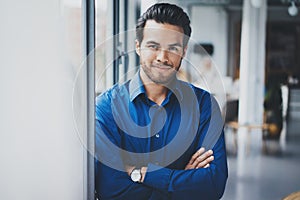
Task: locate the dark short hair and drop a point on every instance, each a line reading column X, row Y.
column 165, row 13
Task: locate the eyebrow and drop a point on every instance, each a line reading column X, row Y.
column 176, row 44
column 152, row 42
column 171, row 45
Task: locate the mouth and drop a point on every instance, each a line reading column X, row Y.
column 163, row 67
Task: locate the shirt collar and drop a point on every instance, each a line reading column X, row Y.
column 136, row 87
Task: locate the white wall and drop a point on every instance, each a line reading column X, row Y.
column 209, row 25
column 40, row 154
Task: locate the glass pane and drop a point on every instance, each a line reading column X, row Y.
column 103, row 28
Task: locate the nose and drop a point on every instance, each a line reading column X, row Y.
column 162, row 56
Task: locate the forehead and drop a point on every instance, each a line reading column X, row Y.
column 160, row 32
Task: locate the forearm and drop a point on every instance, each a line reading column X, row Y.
column 203, row 181
column 114, row 184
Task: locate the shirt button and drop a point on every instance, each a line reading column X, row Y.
column 157, row 135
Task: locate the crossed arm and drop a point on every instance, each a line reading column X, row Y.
column 204, row 175
column 200, row 159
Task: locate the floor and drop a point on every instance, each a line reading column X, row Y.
column 261, row 176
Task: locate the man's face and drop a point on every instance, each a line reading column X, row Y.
column 160, row 51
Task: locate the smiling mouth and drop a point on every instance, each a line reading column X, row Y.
column 164, row 67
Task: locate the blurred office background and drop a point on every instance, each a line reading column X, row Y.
column 55, row 52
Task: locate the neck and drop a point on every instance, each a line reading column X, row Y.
column 156, row 92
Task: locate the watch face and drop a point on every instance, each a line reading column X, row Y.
column 136, row 175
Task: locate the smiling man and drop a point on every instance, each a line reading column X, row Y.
column 150, row 130
column 160, row 51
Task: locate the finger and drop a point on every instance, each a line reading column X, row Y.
column 205, row 162
column 206, row 166
column 196, row 155
column 209, row 153
column 188, row 166
column 204, row 156
column 199, row 161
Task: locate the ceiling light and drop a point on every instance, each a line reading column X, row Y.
column 293, row 10
column 256, row 3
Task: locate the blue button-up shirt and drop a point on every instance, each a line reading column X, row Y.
column 133, row 130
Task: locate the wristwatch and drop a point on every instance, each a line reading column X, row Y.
column 136, row 175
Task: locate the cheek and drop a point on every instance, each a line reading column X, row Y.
column 176, row 59
column 176, row 56
column 147, row 56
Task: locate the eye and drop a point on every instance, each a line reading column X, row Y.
column 173, row 49
column 153, row 46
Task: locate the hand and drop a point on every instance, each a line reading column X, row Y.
column 143, row 171
column 129, row 169
column 200, row 159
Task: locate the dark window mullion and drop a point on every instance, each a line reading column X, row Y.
column 89, row 29
column 126, row 61
column 116, row 30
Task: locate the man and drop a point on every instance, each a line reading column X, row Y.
column 150, row 131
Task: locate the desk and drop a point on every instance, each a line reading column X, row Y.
column 234, row 125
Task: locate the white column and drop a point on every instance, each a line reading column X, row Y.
column 252, row 73
column 252, row 64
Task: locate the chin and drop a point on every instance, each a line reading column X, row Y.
column 163, row 80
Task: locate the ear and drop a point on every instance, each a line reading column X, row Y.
column 184, row 51
column 137, row 47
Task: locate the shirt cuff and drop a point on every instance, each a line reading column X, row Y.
column 157, row 177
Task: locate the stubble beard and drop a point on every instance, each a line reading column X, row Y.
column 159, row 78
